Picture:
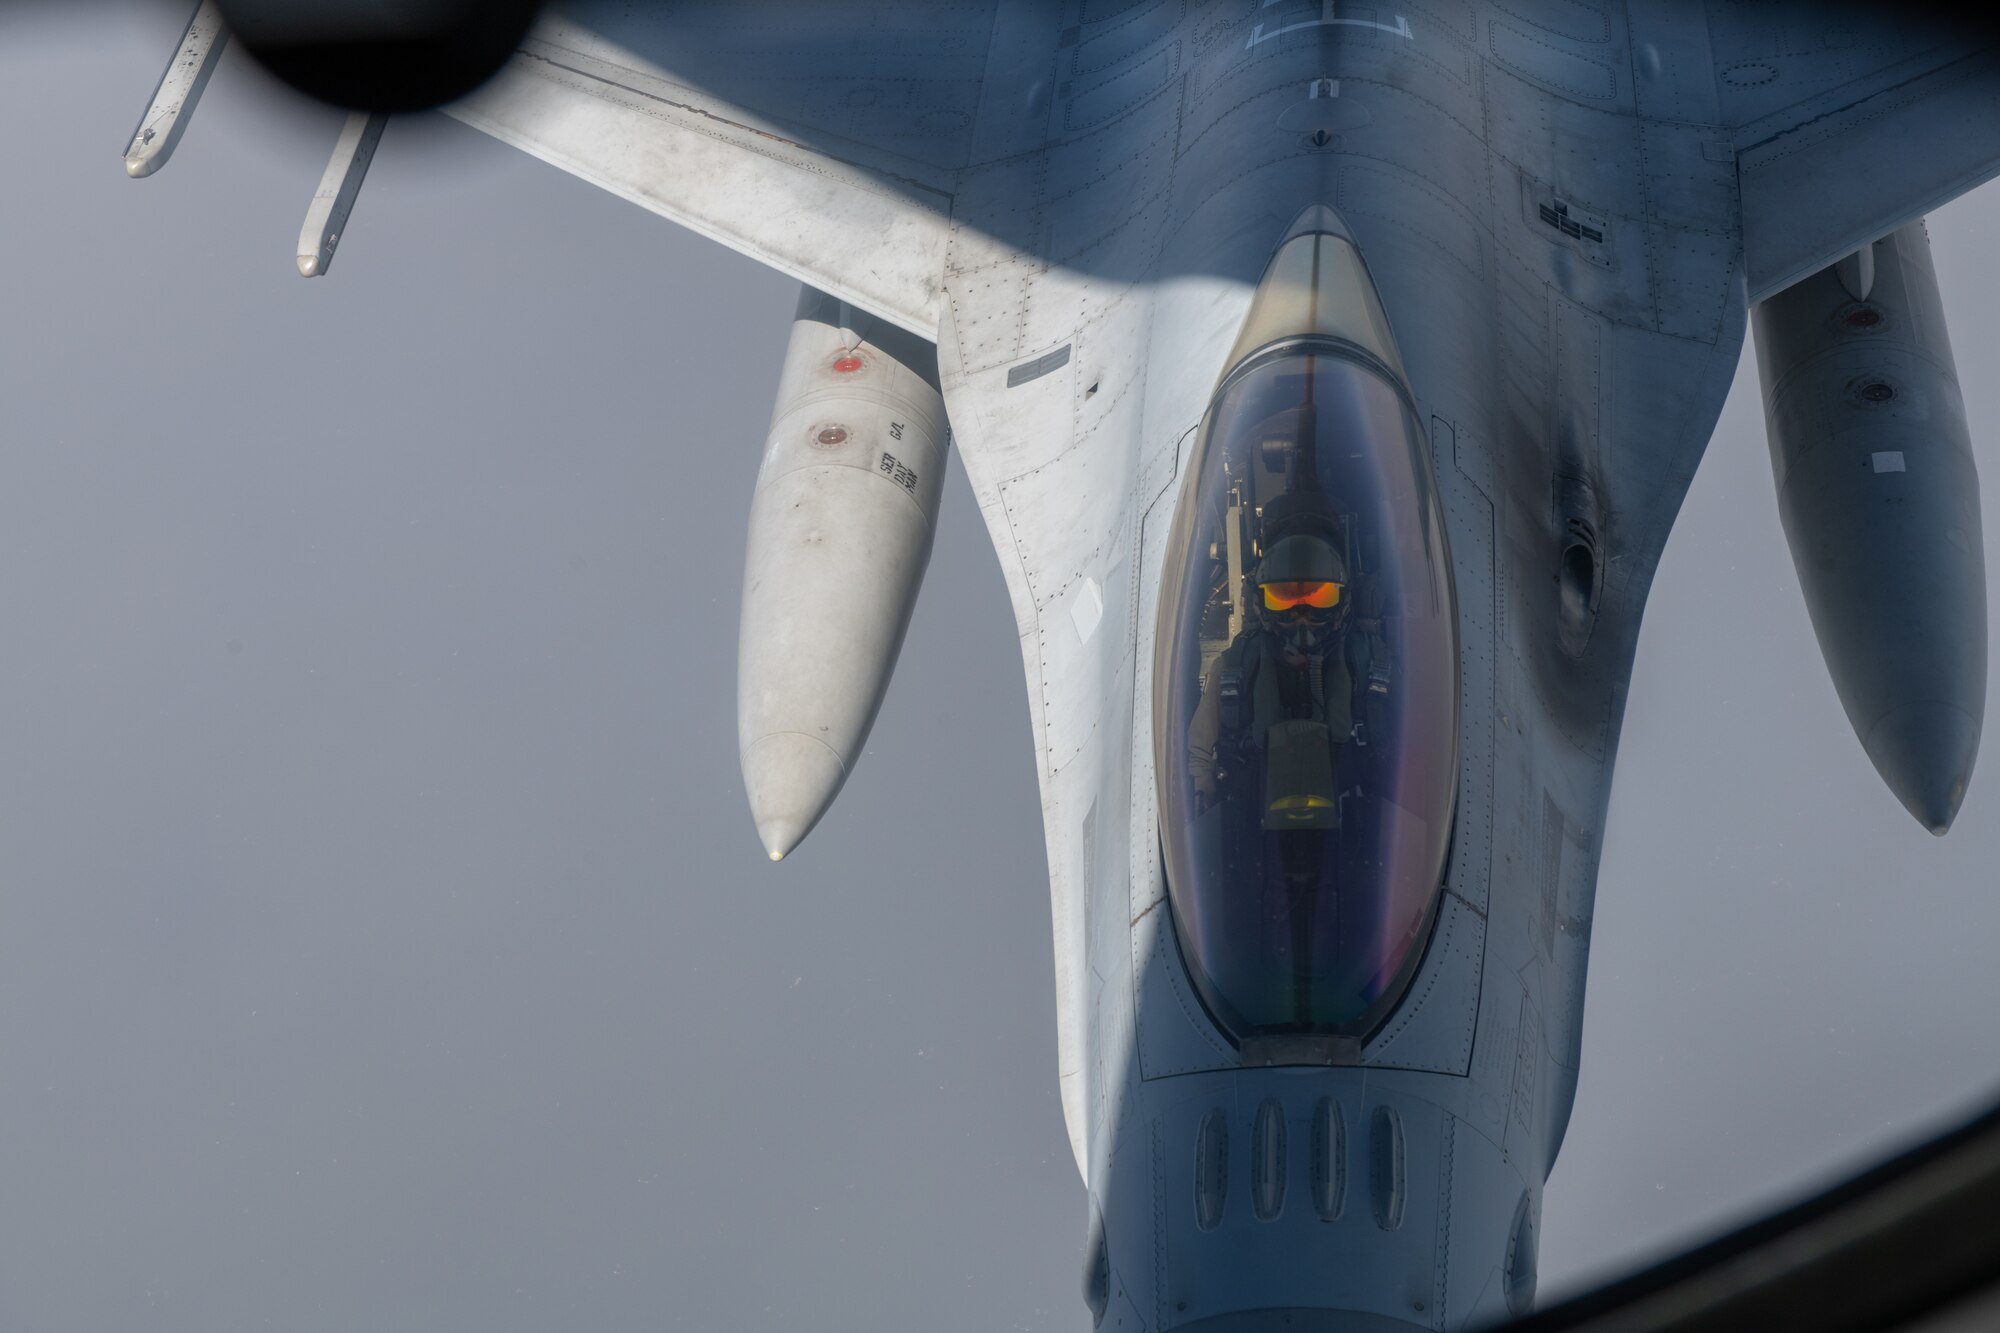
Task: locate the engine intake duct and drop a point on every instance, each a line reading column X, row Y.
column 840, row 532
column 1880, row 502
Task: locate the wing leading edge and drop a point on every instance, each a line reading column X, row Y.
column 786, row 181
column 1849, row 123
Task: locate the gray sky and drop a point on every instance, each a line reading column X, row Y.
column 386, row 943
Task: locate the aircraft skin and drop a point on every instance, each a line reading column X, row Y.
column 1560, row 212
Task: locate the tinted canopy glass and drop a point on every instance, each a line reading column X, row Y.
column 1307, row 698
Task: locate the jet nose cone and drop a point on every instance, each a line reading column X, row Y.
column 1924, row 751
column 791, row 778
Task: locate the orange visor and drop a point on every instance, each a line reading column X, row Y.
column 1285, row 596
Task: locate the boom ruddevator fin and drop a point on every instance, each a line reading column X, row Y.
column 180, row 87
column 326, row 219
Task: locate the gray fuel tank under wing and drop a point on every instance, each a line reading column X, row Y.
column 1880, row 502
column 840, row 532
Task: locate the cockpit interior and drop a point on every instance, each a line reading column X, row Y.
column 1307, row 696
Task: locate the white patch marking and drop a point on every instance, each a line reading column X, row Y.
column 1888, row 461
column 1328, row 18
column 1086, row 609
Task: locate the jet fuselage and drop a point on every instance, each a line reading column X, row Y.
column 1566, row 378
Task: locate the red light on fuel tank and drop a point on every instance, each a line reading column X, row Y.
column 847, row 365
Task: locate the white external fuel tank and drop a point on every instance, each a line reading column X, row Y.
column 840, row 531
column 1880, row 502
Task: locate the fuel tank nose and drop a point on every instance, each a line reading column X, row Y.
column 1924, row 751
column 791, row 779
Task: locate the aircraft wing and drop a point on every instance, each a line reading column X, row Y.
column 1849, row 122
column 822, row 140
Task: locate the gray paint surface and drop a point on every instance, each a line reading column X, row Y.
column 389, row 944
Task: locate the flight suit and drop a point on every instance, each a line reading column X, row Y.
column 1269, row 690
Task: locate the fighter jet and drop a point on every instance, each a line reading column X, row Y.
column 1329, row 377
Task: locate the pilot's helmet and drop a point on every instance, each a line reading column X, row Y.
column 1301, row 573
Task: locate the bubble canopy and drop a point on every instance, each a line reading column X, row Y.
column 1306, row 736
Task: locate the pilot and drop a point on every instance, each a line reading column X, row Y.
column 1277, row 708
